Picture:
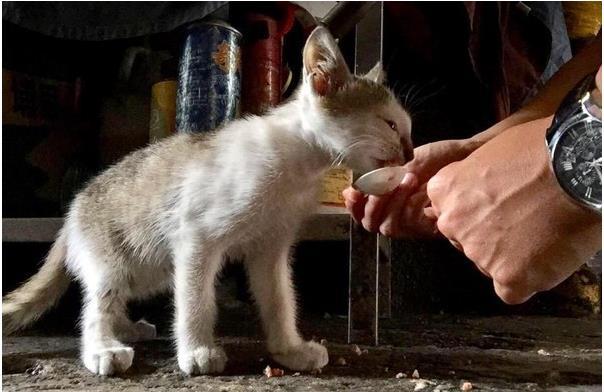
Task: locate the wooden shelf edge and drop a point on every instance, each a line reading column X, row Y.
column 30, row 229
column 326, row 225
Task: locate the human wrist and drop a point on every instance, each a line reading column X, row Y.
column 574, row 141
column 570, row 212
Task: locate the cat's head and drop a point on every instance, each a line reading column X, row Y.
column 358, row 117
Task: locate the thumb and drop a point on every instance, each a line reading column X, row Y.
column 430, row 213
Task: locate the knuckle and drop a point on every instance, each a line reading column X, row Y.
column 369, row 224
column 510, row 299
column 445, row 225
column 388, row 229
column 504, row 293
column 434, row 187
column 439, row 181
column 370, row 209
column 442, row 179
column 505, row 278
column 511, row 288
column 475, row 255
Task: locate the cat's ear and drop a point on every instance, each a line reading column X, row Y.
column 324, row 66
column 376, row 74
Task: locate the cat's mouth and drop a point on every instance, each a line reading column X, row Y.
column 388, row 163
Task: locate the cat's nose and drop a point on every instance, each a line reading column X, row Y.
column 407, row 149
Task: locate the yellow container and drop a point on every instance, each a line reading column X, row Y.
column 334, row 182
column 162, row 121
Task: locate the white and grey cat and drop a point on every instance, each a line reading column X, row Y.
column 166, row 217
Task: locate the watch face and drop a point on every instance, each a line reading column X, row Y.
column 578, row 161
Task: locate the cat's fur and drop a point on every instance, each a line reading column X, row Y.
column 167, row 216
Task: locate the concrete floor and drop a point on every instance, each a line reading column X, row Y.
column 494, row 354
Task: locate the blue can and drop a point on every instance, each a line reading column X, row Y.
column 209, row 80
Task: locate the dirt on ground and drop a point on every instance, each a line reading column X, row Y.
column 443, row 353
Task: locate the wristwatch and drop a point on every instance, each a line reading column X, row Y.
column 574, row 141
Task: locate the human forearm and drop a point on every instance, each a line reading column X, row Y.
column 550, row 96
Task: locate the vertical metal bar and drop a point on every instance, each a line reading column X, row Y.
column 364, row 261
column 368, row 40
column 363, row 282
column 384, row 277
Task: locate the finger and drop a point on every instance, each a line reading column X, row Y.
column 408, row 183
column 352, row 195
column 356, row 210
column 414, row 222
column 433, row 189
column 482, row 271
column 511, row 295
column 373, row 211
column 456, row 244
column 439, row 185
column 391, row 224
column 426, row 216
column 429, row 213
column 355, row 203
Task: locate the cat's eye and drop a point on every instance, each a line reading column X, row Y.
column 391, row 124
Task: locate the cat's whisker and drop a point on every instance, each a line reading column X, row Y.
column 414, row 102
column 346, row 150
column 406, row 100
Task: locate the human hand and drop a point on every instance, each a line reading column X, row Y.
column 402, row 212
column 504, row 209
column 597, row 93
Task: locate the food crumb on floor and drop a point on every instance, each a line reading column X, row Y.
column 273, row 372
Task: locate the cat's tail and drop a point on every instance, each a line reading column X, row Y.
column 40, row 293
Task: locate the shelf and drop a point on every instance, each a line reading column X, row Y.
column 30, row 229
column 329, row 224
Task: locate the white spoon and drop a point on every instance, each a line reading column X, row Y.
column 380, row 181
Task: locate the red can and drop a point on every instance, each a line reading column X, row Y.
column 261, row 55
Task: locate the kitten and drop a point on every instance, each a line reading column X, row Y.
column 166, row 217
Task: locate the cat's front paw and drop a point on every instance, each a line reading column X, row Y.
column 306, row 356
column 109, row 361
column 202, row 360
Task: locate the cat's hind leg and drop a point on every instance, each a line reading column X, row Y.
column 270, row 281
column 195, row 273
column 102, row 351
column 145, row 281
column 139, row 331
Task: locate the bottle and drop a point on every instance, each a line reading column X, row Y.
column 162, row 120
